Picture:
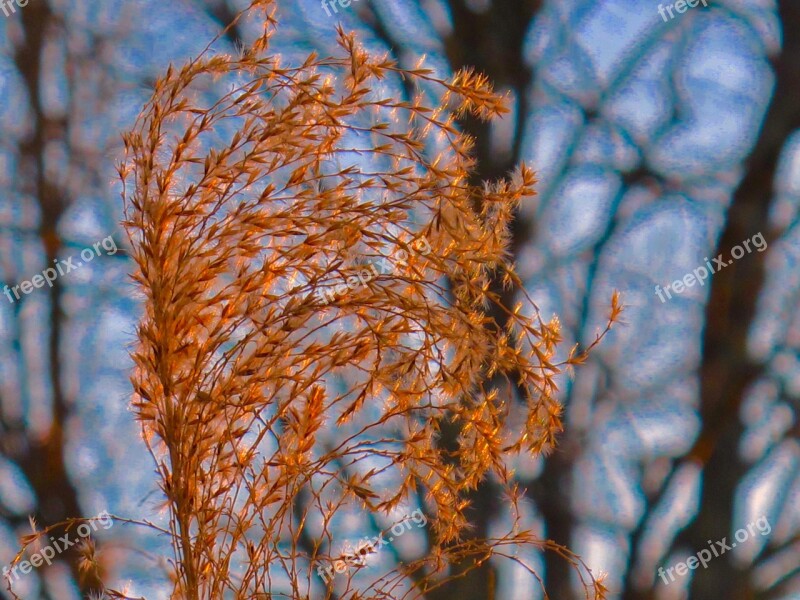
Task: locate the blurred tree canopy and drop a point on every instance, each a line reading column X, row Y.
column 658, row 145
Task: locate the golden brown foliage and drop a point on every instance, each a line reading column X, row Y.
column 273, row 409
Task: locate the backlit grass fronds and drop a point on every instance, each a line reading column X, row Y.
column 284, row 381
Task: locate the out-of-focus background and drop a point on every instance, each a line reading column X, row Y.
column 663, row 135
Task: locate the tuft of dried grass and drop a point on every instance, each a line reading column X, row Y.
column 270, row 414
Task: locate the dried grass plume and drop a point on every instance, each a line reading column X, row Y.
column 272, row 409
